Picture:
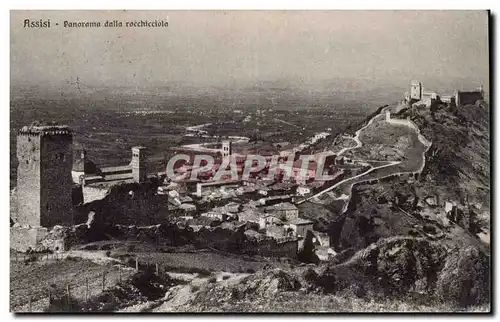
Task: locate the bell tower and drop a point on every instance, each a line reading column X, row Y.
column 139, row 163
column 227, row 149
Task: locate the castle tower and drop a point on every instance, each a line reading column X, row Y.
column 227, row 148
column 139, row 163
column 44, row 182
column 416, row 90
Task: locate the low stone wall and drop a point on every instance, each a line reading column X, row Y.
column 23, row 239
column 62, row 238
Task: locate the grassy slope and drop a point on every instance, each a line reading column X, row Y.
column 36, row 278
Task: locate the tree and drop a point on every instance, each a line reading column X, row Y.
column 307, row 254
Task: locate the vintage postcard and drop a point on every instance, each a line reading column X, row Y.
column 249, row 161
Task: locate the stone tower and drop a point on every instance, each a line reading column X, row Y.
column 44, row 183
column 227, row 149
column 139, row 164
column 416, row 90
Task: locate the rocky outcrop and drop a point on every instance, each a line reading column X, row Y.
column 465, row 277
column 410, row 268
column 262, row 285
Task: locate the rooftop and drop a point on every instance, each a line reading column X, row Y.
column 120, row 168
column 301, row 221
column 282, row 206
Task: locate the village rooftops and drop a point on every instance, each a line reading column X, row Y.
column 276, row 198
column 300, row 222
column 250, row 215
column 233, row 225
column 276, row 231
column 253, row 235
column 282, row 206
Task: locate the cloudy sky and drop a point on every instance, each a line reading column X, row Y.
column 231, row 47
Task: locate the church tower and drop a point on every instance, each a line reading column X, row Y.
column 139, row 164
column 227, row 149
column 416, row 90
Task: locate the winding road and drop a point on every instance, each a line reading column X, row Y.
column 400, row 122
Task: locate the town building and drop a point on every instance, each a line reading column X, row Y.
column 300, row 226
column 269, row 220
column 82, row 166
column 303, row 191
column 276, row 231
column 286, row 211
column 204, row 187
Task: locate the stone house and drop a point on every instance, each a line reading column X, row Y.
column 300, row 226
column 269, row 220
column 303, row 190
column 285, row 211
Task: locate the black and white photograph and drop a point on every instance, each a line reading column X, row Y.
column 250, row 161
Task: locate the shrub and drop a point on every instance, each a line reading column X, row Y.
column 250, row 270
column 212, row 279
column 194, row 288
column 225, row 277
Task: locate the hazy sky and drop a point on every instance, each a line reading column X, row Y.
column 221, row 48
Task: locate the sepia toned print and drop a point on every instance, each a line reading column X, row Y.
column 249, row 161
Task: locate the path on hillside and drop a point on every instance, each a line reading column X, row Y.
column 391, row 163
column 401, row 122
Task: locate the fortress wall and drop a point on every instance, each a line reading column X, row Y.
column 410, row 124
column 94, row 193
column 125, row 204
column 466, row 98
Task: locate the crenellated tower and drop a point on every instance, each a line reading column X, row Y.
column 44, row 182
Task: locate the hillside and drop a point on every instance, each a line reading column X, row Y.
column 403, row 242
column 399, row 247
column 456, row 174
column 458, row 163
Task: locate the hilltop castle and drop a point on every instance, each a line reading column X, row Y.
column 418, row 96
